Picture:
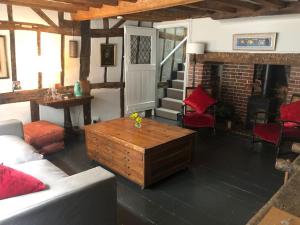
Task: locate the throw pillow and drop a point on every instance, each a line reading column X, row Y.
column 14, row 183
column 199, row 100
column 15, row 151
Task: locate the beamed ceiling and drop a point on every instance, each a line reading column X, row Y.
column 163, row 10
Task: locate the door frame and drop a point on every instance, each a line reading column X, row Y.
column 154, row 59
column 172, row 24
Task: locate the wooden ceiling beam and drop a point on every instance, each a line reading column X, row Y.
column 291, row 8
column 240, row 5
column 45, row 4
column 125, row 8
column 89, row 3
column 272, row 3
column 167, row 14
column 213, row 6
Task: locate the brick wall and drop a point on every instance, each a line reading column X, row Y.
column 236, row 87
column 236, row 83
column 202, row 75
column 294, row 82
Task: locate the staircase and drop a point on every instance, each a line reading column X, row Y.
column 171, row 104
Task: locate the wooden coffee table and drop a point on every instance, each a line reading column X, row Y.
column 143, row 155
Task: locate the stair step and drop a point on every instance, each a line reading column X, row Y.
column 171, row 103
column 167, row 113
column 180, row 75
column 175, row 93
column 178, row 84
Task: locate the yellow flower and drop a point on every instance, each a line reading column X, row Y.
column 134, row 116
column 138, row 120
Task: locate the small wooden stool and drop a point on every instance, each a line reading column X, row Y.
column 45, row 136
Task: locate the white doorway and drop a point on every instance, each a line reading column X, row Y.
column 140, row 69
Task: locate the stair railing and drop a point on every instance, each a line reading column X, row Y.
column 173, row 51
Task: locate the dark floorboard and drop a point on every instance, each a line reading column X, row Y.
column 226, row 183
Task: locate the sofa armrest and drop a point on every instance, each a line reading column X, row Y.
column 89, row 198
column 12, row 127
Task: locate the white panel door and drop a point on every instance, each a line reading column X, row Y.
column 140, row 69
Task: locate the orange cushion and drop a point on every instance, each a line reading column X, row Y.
column 52, row 148
column 43, row 133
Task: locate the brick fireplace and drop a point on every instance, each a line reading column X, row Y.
column 237, row 78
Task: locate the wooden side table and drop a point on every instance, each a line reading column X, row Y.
column 65, row 104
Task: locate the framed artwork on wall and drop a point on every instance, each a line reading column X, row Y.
column 255, row 42
column 108, row 54
column 3, row 59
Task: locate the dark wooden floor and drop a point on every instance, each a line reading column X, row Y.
column 226, row 183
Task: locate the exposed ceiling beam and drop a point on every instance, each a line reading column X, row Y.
column 240, row 5
column 125, row 7
column 291, row 8
column 213, row 6
column 168, row 14
column 90, row 3
column 272, row 3
column 45, row 4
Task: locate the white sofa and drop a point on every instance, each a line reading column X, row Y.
column 87, row 198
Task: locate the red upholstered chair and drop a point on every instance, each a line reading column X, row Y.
column 198, row 110
column 287, row 127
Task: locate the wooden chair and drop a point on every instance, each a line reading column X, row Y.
column 188, row 117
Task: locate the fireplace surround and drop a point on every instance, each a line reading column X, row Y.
column 233, row 81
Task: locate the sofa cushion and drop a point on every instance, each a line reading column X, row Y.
column 14, row 183
column 42, row 170
column 15, row 150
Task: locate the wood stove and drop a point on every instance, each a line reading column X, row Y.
column 270, row 83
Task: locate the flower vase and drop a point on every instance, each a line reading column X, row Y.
column 77, row 90
column 137, row 125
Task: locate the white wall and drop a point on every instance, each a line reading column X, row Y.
column 218, row 33
column 106, row 104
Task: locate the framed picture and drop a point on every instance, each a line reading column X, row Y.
column 255, row 42
column 16, row 85
column 3, row 59
column 108, row 54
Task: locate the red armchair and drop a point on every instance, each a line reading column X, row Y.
column 198, row 110
column 287, row 127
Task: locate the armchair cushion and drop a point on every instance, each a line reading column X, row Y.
column 14, row 183
column 268, row 132
column 199, row 100
column 290, row 111
column 195, row 119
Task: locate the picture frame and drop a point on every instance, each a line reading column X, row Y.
column 4, row 74
column 108, row 54
column 255, row 42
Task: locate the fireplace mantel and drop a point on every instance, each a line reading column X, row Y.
column 292, row 59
